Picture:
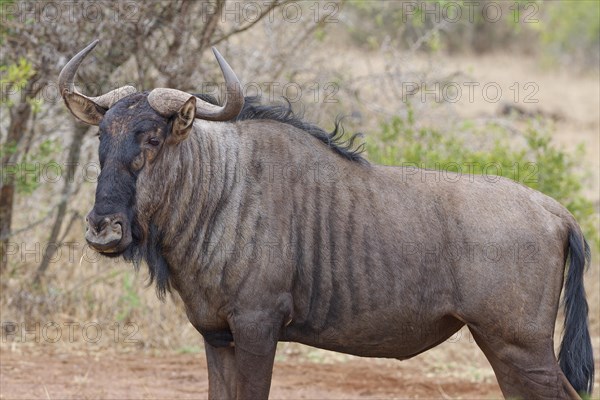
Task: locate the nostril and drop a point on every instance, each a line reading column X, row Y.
column 117, row 226
column 101, row 225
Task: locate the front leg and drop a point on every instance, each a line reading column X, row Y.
column 255, row 335
column 221, row 372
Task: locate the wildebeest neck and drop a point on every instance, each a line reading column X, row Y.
column 186, row 192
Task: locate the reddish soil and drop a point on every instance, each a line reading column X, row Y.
column 26, row 375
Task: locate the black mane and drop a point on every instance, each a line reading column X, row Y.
column 253, row 109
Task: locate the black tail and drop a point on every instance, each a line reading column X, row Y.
column 575, row 356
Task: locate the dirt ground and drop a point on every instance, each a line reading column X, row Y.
column 456, row 369
column 134, row 376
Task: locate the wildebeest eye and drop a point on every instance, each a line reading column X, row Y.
column 153, row 141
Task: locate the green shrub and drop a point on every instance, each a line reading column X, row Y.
column 528, row 157
column 560, row 32
column 35, row 167
column 570, row 31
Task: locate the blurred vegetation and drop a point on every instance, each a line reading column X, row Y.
column 129, row 301
column 492, row 149
column 571, row 32
column 34, row 167
column 14, row 77
column 13, row 80
column 557, row 31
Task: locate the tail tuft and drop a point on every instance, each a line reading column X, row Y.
column 575, row 357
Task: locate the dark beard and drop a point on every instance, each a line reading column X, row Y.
column 149, row 249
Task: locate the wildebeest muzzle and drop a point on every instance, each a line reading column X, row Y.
column 108, row 234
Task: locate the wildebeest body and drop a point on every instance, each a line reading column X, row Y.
column 352, row 258
column 270, row 230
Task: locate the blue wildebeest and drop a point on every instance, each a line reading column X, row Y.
column 362, row 259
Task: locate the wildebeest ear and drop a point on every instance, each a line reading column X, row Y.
column 184, row 120
column 84, row 109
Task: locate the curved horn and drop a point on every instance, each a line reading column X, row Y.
column 169, row 101
column 67, row 86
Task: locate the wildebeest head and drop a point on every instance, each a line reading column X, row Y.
column 133, row 129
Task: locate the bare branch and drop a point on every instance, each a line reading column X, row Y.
column 236, row 31
column 211, row 25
